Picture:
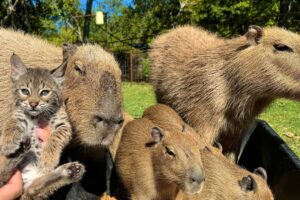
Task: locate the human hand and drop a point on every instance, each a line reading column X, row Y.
column 13, row 189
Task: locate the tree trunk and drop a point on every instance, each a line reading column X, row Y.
column 86, row 28
column 284, row 12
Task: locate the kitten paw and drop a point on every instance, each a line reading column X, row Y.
column 74, row 171
column 19, row 145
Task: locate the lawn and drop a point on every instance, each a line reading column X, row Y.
column 283, row 115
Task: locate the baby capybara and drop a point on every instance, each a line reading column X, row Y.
column 154, row 164
column 224, row 180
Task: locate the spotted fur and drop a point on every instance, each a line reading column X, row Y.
column 37, row 104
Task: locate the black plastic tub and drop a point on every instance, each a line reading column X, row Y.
column 263, row 147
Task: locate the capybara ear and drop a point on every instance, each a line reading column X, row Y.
column 254, row 34
column 68, row 50
column 17, row 67
column 59, row 72
column 157, row 134
column 261, row 172
column 248, row 183
column 219, row 146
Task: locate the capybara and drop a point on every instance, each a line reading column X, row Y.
column 224, row 180
column 154, row 164
column 227, row 181
column 91, row 92
column 114, row 146
column 218, row 86
column 165, row 117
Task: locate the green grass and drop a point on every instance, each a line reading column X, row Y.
column 137, row 97
column 283, row 115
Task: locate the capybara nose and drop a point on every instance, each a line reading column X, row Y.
column 120, row 120
column 111, row 122
column 97, row 119
column 196, row 176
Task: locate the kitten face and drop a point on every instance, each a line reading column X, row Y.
column 36, row 91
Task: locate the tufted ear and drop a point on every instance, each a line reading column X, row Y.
column 17, row 67
column 68, row 50
column 248, row 183
column 261, row 172
column 59, row 72
column 157, row 134
column 254, row 34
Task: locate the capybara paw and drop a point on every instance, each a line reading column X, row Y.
column 74, row 170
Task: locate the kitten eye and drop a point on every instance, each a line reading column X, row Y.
column 25, row 91
column 282, row 47
column 170, row 152
column 44, row 92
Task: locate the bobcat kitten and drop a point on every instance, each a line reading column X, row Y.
column 37, row 104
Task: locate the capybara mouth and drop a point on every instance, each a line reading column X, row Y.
column 194, row 189
column 107, row 139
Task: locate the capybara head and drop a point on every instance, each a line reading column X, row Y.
column 271, row 60
column 92, row 93
column 177, row 159
column 226, row 180
column 167, row 118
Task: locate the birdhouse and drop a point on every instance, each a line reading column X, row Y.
column 99, row 18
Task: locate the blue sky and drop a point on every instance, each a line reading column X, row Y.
column 95, row 2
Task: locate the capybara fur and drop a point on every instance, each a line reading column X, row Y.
column 220, row 85
column 154, row 164
column 91, row 92
column 115, row 144
column 224, row 180
column 227, row 181
column 165, row 117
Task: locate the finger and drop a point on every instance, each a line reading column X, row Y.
column 13, row 189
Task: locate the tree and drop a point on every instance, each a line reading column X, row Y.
column 41, row 17
column 87, row 21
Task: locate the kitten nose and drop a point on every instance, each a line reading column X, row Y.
column 33, row 104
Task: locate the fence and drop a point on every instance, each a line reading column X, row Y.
column 134, row 65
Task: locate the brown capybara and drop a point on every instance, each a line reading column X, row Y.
column 224, row 180
column 91, row 92
column 165, row 117
column 154, row 164
column 218, row 86
column 115, row 144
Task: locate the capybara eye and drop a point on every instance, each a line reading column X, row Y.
column 25, row 91
column 97, row 120
column 282, row 47
column 248, row 183
column 170, row 152
column 183, row 128
column 78, row 69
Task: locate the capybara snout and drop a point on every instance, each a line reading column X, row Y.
column 194, row 180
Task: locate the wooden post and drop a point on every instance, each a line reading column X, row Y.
column 131, row 67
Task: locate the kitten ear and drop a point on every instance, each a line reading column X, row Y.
column 17, row 67
column 59, row 72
